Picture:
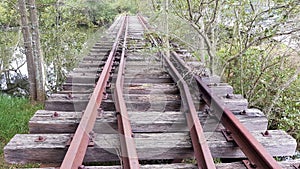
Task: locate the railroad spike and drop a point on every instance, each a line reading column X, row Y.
column 81, row 167
column 249, row 165
column 40, row 139
column 55, row 114
column 243, row 112
column 266, row 134
column 229, row 96
column 227, row 134
column 100, row 112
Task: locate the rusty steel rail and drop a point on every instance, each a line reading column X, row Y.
column 201, row 149
column 128, row 148
column 256, row 153
column 143, row 23
column 78, row 147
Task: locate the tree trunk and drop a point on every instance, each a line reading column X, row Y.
column 28, row 50
column 202, row 43
column 166, row 41
column 37, row 51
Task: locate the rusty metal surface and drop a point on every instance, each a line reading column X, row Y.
column 143, row 23
column 201, row 149
column 128, row 148
column 76, row 152
column 255, row 152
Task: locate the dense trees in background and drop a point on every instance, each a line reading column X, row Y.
column 253, row 45
column 66, row 29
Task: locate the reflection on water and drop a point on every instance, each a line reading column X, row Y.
column 62, row 51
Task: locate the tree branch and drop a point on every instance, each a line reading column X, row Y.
column 215, row 12
column 281, row 89
column 190, row 10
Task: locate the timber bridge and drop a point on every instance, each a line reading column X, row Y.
column 126, row 106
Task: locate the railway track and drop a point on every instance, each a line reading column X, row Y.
column 141, row 114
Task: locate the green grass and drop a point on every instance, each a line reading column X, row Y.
column 14, row 116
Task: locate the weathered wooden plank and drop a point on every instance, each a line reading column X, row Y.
column 75, row 91
column 104, row 45
column 142, row 67
column 148, row 80
column 85, row 64
column 98, row 54
column 157, row 166
column 147, row 70
column 129, row 88
column 78, row 86
column 147, row 90
column 154, row 106
column 151, row 97
column 66, row 105
column 291, row 164
column 94, row 58
column 221, row 148
column 138, row 65
column 136, row 58
column 235, row 105
column 253, row 119
column 108, row 105
column 103, row 49
column 235, row 102
column 23, row 148
column 150, row 86
column 150, row 74
column 66, row 122
column 69, row 96
column 85, row 74
column 211, row 79
column 105, row 42
column 88, row 70
column 82, row 79
column 75, row 105
column 221, row 89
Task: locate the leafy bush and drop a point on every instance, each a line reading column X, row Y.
column 270, row 82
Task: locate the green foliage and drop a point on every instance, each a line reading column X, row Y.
column 8, row 14
column 287, row 112
column 9, row 40
column 14, row 116
column 62, row 40
column 100, row 12
column 261, row 75
column 126, row 6
column 65, row 27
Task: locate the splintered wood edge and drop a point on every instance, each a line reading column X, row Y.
column 23, row 148
column 291, row 164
